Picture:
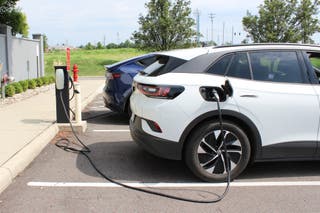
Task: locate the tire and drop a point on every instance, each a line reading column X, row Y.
column 205, row 156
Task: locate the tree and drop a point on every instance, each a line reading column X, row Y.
column 306, row 22
column 7, row 5
column 283, row 21
column 45, row 43
column 99, row 45
column 89, row 46
column 167, row 25
column 13, row 17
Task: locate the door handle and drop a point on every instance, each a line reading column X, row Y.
column 248, row 96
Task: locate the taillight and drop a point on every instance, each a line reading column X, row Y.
column 154, row 91
column 110, row 75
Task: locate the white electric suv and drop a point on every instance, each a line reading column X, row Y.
column 272, row 113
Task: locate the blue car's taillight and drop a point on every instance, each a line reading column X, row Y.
column 110, row 75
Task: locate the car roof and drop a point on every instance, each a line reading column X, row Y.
column 262, row 46
column 186, row 54
column 200, row 63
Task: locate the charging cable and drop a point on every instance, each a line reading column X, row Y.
column 85, row 152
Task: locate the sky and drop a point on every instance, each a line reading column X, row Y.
column 77, row 22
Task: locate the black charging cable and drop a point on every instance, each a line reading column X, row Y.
column 85, row 151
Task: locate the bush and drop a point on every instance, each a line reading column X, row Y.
column 45, row 80
column 17, row 87
column 32, row 84
column 52, row 79
column 24, row 85
column 9, row 90
column 39, row 82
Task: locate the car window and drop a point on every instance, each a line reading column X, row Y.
column 239, row 66
column 220, row 67
column 147, row 61
column 153, row 67
column 314, row 58
column 276, row 66
column 162, row 65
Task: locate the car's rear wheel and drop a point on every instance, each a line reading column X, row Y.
column 205, row 154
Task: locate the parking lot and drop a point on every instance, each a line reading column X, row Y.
column 59, row 181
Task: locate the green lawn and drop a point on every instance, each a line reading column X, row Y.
column 315, row 62
column 90, row 62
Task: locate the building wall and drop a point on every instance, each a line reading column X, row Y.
column 22, row 58
column 25, row 59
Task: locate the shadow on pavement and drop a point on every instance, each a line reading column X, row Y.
column 281, row 169
column 105, row 117
column 125, row 161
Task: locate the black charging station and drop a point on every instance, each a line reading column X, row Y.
column 62, row 92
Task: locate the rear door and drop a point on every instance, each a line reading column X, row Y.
column 280, row 100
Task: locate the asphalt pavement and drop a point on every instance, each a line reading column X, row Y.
column 59, row 181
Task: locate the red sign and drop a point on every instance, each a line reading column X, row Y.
column 68, row 59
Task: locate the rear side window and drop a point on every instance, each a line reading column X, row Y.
column 276, row 66
column 239, row 67
column 147, row 61
column 220, row 67
column 162, row 65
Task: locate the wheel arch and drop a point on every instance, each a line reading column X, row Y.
column 235, row 117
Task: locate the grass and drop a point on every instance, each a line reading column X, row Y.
column 90, row 62
column 315, row 62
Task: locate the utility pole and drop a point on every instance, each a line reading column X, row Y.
column 197, row 14
column 232, row 35
column 211, row 16
column 223, row 25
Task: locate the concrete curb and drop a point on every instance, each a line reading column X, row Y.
column 16, row 164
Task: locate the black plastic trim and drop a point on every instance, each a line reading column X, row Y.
column 290, row 150
column 157, row 146
column 312, row 75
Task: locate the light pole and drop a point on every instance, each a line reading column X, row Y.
column 197, row 14
column 235, row 34
column 212, row 16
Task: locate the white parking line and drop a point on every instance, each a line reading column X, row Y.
column 110, row 130
column 174, row 185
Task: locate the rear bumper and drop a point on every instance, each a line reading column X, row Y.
column 110, row 101
column 156, row 146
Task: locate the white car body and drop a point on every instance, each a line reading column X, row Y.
column 282, row 117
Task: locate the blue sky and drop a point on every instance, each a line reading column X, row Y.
column 77, row 22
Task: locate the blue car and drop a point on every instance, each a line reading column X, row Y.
column 119, row 76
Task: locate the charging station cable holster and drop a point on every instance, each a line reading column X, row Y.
column 62, row 87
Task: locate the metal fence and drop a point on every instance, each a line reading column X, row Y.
column 21, row 58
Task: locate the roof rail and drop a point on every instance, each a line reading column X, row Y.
column 268, row 44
